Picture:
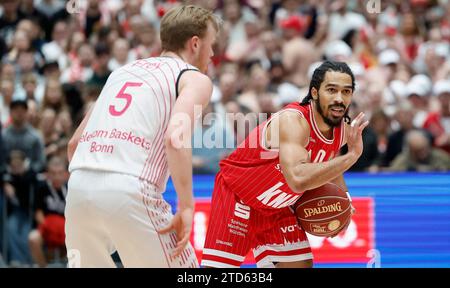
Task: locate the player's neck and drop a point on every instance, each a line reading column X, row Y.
column 175, row 55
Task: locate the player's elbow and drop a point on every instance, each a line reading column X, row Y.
column 298, row 184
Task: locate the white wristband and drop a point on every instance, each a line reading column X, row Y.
column 348, row 196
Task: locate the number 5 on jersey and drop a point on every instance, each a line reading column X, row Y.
column 123, row 95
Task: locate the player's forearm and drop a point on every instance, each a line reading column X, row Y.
column 307, row 176
column 180, row 167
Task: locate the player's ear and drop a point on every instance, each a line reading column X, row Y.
column 314, row 93
column 195, row 42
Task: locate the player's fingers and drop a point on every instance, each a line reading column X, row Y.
column 166, row 229
column 180, row 245
column 364, row 125
column 184, row 240
column 355, row 122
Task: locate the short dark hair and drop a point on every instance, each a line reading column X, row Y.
column 319, row 76
column 18, row 103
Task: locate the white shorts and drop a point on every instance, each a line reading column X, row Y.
column 107, row 212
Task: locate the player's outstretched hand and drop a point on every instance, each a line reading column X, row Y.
column 182, row 225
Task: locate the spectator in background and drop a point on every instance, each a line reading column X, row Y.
column 32, row 29
column 272, row 47
column 20, row 135
column 55, row 50
column 227, row 89
column 9, row 19
column 341, row 20
column 298, row 53
column 438, row 122
column 381, row 76
column 53, row 138
column 73, row 45
column 369, row 158
column 80, row 69
column 380, row 124
column 419, row 155
column 28, row 9
column 53, row 10
column 51, row 69
column 338, row 50
column 20, row 43
column 19, row 187
column 252, row 48
column 33, row 113
column 418, row 93
column 8, row 71
column 54, row 96
column 32, row 91
column 28, row 61
column 100, row 69
column 49, row 212
column 403, row 119
column 27, row 64
column 121, row 54
column 256, row 89
column 235, row 16
column 93, row 17
column 6, row 97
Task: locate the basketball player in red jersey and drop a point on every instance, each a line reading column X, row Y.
column 293, row 151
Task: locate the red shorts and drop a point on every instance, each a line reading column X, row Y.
column 235, row 228
column 52, row 230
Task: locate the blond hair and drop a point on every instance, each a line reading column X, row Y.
column 183, row 22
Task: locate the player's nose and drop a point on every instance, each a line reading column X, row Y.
column 338, row 98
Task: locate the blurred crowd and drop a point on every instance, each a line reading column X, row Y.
column 56, row 55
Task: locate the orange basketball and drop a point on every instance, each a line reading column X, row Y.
column 324, row 210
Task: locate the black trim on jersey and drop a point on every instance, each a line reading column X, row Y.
column 178, row 79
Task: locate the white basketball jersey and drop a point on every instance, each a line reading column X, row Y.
column 125, row 132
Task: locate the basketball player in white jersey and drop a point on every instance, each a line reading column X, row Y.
column 122, row 153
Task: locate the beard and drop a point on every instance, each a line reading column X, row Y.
column 330, row 121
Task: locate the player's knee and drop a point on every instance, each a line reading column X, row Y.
column 298, row 264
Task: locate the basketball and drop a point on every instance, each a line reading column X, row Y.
column 324, row 210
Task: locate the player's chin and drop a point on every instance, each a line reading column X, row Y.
column 335, row 121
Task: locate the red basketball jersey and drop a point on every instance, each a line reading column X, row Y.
column 253, row 172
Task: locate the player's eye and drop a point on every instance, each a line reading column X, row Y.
column 331, row 90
